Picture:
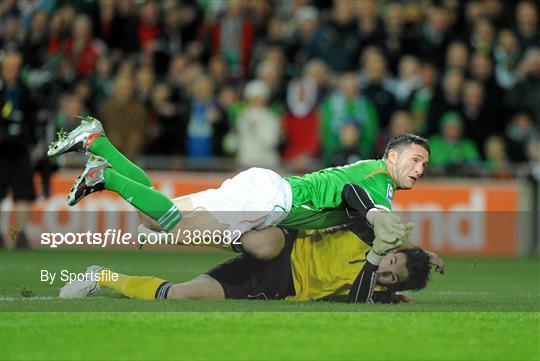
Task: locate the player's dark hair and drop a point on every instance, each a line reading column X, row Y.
column 406, row 139
column 418, row 267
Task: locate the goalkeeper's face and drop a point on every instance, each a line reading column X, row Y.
column 410, row 164
column 392, row 269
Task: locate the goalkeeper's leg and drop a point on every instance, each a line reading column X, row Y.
column 151, row 288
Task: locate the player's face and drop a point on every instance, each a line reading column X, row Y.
column 410, row 165
column 392, row 269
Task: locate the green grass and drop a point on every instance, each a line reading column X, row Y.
column 481, row 309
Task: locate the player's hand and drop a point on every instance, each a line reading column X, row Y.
column 380, row 248
column 403, row 298
column 387, row 226
column 437, row 261
column 408, row 229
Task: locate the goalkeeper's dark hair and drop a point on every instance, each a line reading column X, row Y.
column 418, row 267
column 406, row 139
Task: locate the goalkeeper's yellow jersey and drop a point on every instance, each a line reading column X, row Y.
column 325, row 265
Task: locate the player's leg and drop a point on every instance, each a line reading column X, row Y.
column 89, row 136
column 142, row 287
column 98, row 175
column 265, row 244
column 201, row 287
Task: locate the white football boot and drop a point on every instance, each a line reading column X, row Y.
column 81, row 289
column 79, row 139
column 91, row 180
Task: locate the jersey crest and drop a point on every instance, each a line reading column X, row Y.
column 390, row 193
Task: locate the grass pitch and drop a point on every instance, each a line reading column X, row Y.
column 481, row 309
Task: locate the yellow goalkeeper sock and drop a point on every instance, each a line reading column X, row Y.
column 138, row 287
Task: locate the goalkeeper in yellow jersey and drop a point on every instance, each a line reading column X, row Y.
column 345, row 265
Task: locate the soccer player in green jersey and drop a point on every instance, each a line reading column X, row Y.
column 256, row 198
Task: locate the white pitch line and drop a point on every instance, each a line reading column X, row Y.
column 37, row 298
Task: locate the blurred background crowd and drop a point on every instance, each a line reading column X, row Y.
column 296, row 83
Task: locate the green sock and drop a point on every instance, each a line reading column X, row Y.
column 151, row 202
column 104, row 148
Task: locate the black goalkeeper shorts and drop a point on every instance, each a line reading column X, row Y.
column 246, row 277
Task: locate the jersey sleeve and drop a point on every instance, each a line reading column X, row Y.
column 380, row 190
column 364, row 285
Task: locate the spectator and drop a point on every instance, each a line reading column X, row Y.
column 480, row 120
column 482, row 37
column 232, row 37
column 149, row 26
column 124, row 26
column 457, row 56
column 258, row 129
column 347, row 106
column 17, row 135
column 340, row 37
column 301, row 124
column 408, row 80
column 125, row 118
column 70, row 107
column 421, row 99
column 375, row 85
column 347, row 151
column 507, row 55
column 307, row 32
column 518, row 133
column 434, row 35
column 205, row 123
column 394, row 34
column 450, row 150
column 497, row 162
column 102, row 79
column 526, row 92
column 12, row 34
column 527, row 24
column 271, row 75
column 166, row 128
column 144, row 81
column 401, row 122
column 35, row 42
column 447, row 98
column 217, row 69
column 316, row 69
column 81, row 50
column 481, row 68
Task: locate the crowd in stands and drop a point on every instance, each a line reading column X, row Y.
column 267, row 82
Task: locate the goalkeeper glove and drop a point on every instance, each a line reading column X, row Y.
column 381, row 248
column 387, row 226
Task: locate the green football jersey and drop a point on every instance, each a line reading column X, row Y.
column 316, row 197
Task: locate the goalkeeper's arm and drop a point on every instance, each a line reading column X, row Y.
column 364, row 284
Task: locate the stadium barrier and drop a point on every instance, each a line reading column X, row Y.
column 465, row 217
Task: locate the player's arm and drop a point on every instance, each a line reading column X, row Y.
column 364, row 285
column 386, row 225
column 362, row 290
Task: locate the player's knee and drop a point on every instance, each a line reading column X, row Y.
column 181, row 291
column 263, row 245
column 149, row 222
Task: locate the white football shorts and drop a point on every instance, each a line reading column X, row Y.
column 253, row 199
